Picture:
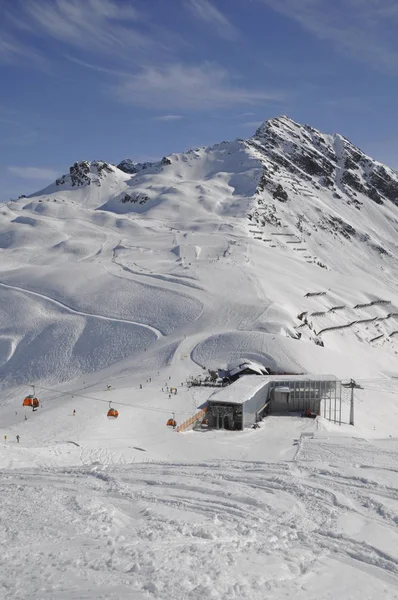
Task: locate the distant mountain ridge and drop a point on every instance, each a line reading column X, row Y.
column 327, row 161
column 278, row 174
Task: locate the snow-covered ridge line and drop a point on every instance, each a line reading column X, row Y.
column 234, row 235
column 253, row 252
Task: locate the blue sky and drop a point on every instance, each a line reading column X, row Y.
column 114, row 79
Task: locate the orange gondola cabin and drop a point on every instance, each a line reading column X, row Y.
column 112, row 413
column 171, row 423
column 31, row 401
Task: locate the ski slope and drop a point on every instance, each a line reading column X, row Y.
column 219, row 529
column 116, row 286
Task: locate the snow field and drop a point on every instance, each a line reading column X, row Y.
column 216, row 529
column 97, row 292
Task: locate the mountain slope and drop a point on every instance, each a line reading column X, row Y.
column 345, row 193
column 280, row 247
column 118, row 283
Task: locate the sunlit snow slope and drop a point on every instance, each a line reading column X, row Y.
column 280, row 249
column 201, row 248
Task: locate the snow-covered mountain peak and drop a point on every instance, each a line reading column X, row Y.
column 85, row 172
column 328, row 161
column 281, row 159
column 121, row 285
column 88, row 183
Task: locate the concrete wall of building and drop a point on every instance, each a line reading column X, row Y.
column 279, row 400
column 252, row 406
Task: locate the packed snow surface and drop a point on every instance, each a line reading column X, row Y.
column 118, row 284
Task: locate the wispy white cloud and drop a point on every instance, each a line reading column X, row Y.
column 13, row 51
column 363, row 29
column 141, row 62
column 207, row 12
column 33, row 172
column 168, row 118
column 178, row 86
column 113, row 31
column 94, row 67
column 101, row 26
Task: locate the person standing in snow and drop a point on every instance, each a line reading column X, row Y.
column 17, row 439
column 74, row 412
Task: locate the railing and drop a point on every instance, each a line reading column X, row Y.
column 184, row 426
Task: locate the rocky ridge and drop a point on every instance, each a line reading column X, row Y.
column 329, row 161
column 84, row 172
column 132, row 168
column 299, row 160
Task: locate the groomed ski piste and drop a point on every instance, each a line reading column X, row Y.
column 110, row 303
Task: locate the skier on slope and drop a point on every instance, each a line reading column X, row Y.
column 17, row 439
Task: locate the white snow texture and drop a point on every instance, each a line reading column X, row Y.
column 119, row 283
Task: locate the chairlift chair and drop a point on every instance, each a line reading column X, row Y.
column 112, row 412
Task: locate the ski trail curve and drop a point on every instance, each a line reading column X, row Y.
column 69, row 309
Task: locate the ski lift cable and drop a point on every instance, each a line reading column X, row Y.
column 154, row 409
column 61, row 394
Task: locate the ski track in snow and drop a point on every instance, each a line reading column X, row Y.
column 194, row 531
column 93, row 508
column 69, row 309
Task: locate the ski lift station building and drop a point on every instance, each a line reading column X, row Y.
column 251, row 397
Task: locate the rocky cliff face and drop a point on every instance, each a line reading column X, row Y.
column 84, row 172
column 325, row 161
column 325, row 185
column 128, row 166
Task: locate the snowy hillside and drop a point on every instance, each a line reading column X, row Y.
column 117, row 282
column 301, row 225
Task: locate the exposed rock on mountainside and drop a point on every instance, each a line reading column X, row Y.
column 134, row 198
column 329, row 161
column 240, row 233
column 129, row 166
column 82, row 173
column 300, row 163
